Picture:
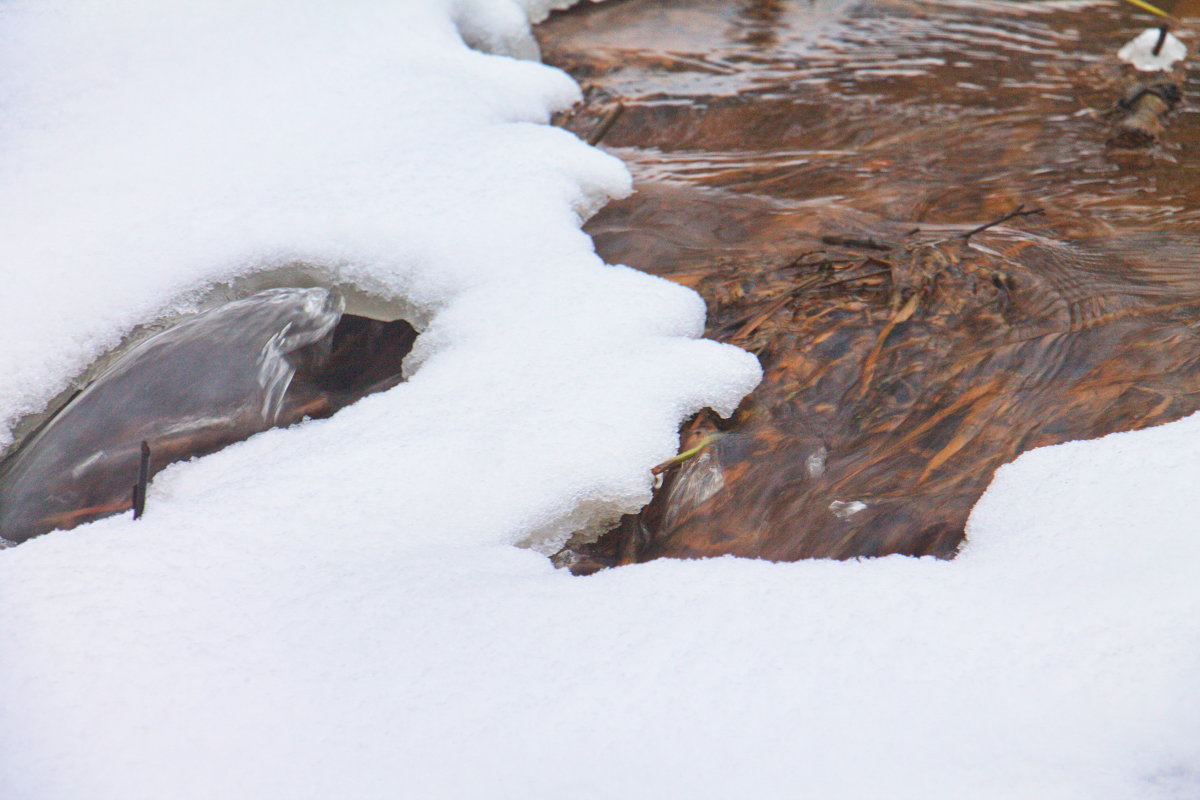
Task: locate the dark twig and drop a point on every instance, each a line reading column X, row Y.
column 139, row 488
column 1019, row 212
column 1162, row 39
column 1167, row 91
column 605, row 125
column 850, row 241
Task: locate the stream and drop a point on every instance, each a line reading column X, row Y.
column 834, row 179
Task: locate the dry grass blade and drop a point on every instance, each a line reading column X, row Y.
column 1142, row 4
column 903, row 315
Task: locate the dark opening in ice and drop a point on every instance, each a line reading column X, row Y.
column 212, row 379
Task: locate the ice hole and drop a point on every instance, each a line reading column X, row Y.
column 211, row 379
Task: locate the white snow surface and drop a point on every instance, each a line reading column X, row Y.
column 337, row 610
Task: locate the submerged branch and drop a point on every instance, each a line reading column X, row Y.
column 1018, row 212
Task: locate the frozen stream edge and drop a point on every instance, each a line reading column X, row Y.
column 336, row 609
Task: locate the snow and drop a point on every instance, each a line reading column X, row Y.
column 1139, row 51
column 337, row 609
column 1055, row 659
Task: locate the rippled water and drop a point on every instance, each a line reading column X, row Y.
column 812, row 169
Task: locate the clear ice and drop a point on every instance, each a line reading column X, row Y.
column 210, row 380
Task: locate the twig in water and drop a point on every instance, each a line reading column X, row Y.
column 850, row 241
column 139, row 488
column 903, row 314
column 606, row 122
column 685, row 455
column 752, row 324
column 853, row 278
column 1162, row 39
column 1142, row 4
column 1019, row 212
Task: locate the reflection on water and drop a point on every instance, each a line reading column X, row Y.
column 922, row 111
column 813, row 169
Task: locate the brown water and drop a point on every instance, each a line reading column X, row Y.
column 812, row 170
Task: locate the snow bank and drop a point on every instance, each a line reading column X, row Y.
column 1055, row 659
column 149, row 155
column 336, row 610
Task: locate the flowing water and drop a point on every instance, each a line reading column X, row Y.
column 817, row 171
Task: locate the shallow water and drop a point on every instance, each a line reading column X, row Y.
column 812, row 170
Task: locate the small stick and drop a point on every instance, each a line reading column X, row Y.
column 853, row 278
column 1019, row 212
column 685, row 455
column 602, row 128
column 753, row 323
column 139, row 488
column 850, row 241
column 903, row 314
column 1162, row 39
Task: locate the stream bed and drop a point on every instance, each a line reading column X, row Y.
column 917, row 216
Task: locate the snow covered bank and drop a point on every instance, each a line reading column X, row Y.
column 336, row 610
column 1055, row 659
column 151, row 155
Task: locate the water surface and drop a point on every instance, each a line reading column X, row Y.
column 813, row 170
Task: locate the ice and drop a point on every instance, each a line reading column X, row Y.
column 1140, row 50
column 337, row 609
column 212, row 379
column 847, row 508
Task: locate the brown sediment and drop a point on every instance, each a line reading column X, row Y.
column 838, row 180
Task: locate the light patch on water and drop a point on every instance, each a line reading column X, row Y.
column 845, row 509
